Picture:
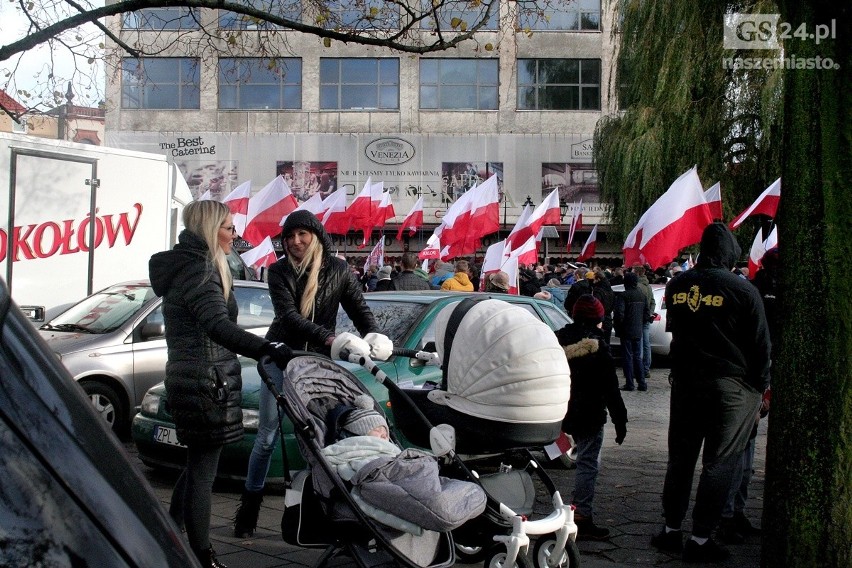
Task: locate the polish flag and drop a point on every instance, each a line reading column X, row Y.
column 384, row 212
column 412, row 221
column 485, row 209
column 432, row 250
column 454, row 219
column 363, row 208
column 527, row 253
column 521, row 222
column 589, row 248
column 755, row 255
column 314, row 205
column 675, row 220
column 206, row 196
column 772, row 240
column 266, row 209
column 714, row 199
column 262, row 255
column 511, row 267
column 492, row 262
column 335, row 218
column 238, row 202
column 766, row 204
column 547, row 213
column 576, row 224
column 632, row 254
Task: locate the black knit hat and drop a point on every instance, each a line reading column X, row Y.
column 588, row 309
column 308, row 221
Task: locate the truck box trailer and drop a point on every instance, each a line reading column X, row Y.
column 77, row 218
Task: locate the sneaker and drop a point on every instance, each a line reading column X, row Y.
column 729, row 533
column 647, row 374
column 626, row 388
column 588, row 530
column 643, row 388
column 669, row 541
column 710, row 551
column 743, row 525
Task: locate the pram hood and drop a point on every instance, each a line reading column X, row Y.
column 505, row 364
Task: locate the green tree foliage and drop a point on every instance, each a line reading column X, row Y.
column 679, row 106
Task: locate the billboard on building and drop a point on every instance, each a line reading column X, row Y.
column 307, row 178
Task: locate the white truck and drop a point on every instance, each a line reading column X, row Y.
column 77, row 218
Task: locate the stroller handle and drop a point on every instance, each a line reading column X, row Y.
column 403, row 352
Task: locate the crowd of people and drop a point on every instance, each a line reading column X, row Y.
column 720, row 357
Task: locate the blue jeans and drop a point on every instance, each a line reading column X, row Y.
column 646, row 349
column 267, row 432
column 588, row 463
column 632, row 362
column 738, row 494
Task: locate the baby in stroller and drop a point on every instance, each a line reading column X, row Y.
column 399, row 488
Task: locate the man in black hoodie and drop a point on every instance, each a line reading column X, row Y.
column 720, row 367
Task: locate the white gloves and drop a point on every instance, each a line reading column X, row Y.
column 381, row 347
column 351, row 343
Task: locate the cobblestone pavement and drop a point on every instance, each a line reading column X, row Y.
column 627, row 499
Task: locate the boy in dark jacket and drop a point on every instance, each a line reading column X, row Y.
column 594, row 390
column 630, row 314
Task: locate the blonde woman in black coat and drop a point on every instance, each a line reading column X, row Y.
column 203, row 380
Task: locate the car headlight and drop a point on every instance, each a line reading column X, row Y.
column 251, row 419
column 151, row 404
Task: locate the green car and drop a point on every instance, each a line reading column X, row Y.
column 406, row 317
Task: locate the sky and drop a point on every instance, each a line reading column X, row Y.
column 31, row 72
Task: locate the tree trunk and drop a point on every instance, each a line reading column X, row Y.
column 807, row 519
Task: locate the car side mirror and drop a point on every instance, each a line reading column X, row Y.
column 152, row 330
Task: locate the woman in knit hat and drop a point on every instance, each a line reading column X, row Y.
column 594, row 390
column 307, row 285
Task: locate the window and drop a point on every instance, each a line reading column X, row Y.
column 360, row 14
column 255, row 83
column 451, row 84
column 160, row 83
column 466, row 13
column 162, row 19
column 559, row 84
column 289, row 9
column 561, row 15
column 359, row 84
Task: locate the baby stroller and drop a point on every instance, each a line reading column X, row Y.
column 505, row 391
column 325, row 509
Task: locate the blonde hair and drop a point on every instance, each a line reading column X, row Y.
column 311, row 263
column 204, row 218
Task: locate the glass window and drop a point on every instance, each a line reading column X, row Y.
column 255, row 83
column 359, row 14
column 288, row 9
column 451, row 84
column 560, row 15
column 359, row 84
column 559, row 84
column 394, row 319
column 160, row 83
column 255, row 307
column 162, row 19
column 464, row 13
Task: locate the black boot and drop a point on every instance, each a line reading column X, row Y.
column 245, row 520
column 208, row 559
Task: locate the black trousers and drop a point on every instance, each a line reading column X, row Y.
column 719, row 414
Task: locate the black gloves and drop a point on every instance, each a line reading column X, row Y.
column 620, row 432
column 280, row 353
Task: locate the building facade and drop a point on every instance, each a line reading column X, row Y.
column 520, row 101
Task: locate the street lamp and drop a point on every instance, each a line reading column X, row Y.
column 529, row 202
column 563, row 209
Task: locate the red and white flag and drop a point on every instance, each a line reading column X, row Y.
column 265, row 210
column 772, row 239
column 238, row 202
column 512, row 269
column 713, row 195
column 262, row 255
column 523, row 218
column 527, row 253
column 364, row 207
column 313, row 204
column 755, row 255
column 546, row 213
column 412, row 221
column 485, row 209
column 589, row 248
column 432, row 250
column 384, row 212
column 492, row 263
column 674, row 221
column 456, row 214
column 765, row 204
column 377, row 255
column 335, row 218
column 576, row 224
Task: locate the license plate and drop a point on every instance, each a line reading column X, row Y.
column 166, row 435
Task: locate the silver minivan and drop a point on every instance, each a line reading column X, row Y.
column 113, row 342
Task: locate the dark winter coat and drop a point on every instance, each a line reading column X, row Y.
column 576, row 290
column 407, row 280
column 337, row 287
column 384, row 285
column 202, row 373
column 717, row 319
column 631, row 310
column 594, row 382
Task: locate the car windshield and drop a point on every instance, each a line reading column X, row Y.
column 393, row 318
column 103, row 312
